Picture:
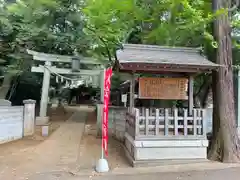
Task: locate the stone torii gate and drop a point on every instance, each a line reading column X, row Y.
column 59, row 64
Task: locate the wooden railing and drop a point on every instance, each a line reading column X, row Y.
column 166, row 123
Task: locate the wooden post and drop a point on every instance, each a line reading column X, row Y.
column 147, row 122
column 190, row 95
column 137, row 132
column 195, row 122
column 185, row 123
column 157, row 123
column 132, row 93
column 176, row 122
column 166, row 121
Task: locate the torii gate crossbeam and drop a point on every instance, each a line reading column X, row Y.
column 49, row 59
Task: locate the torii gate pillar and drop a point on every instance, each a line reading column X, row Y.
column 43, row 118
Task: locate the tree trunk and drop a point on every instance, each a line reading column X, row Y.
column 225, row 142
column 6, row 85
column 201, row 97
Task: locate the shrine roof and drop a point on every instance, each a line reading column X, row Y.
column 149, row 58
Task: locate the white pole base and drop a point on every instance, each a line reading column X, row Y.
column 102, row 166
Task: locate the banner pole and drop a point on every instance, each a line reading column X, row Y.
column 102, row 164
column 102, row 153
column 102, row 101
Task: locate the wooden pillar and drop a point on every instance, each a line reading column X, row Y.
column 190, row 95
column 132, row 92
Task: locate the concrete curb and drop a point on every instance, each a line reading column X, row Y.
column 164, row 169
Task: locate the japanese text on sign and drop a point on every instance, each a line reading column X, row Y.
column 162, row 88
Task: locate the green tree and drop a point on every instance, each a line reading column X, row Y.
column 108, row 23
column 8, row 66
column 50, row 26
column 175, row 23
column 172, row 23
column 225, row 145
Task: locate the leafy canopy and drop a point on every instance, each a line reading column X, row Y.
column 52, row 26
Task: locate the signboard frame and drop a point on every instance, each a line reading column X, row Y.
column 167, row 88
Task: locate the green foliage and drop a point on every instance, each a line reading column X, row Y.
column 161, row 22
column 101, row 26
column 51, row 26
column 108, row 23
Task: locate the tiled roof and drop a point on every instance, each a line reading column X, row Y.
column 133, row 53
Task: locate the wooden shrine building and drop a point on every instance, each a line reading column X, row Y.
column 157, row 134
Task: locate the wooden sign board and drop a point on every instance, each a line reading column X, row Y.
column 162, row 88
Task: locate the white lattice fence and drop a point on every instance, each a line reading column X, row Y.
column 167, row 122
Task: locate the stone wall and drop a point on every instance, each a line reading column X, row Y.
column 116, row 120
column 117, row 116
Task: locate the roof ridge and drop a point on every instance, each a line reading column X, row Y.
column 160, row 48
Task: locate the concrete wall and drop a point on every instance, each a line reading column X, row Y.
column 11, row 123
column 16, row 121
column 153, row 152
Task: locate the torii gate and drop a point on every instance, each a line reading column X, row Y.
column 48, row 63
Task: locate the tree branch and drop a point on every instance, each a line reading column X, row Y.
column 205, row 81
column 105, row 44
column 235, row 6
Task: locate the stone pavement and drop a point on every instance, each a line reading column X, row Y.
column 216, row 174
column 59, row 153
column 222, row 174
column 167, row 171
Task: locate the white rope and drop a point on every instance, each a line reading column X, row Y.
column 67, row 84
column 61, row 76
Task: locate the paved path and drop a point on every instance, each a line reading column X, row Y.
column 57, row 158
column 223, row 174
column 58, row 153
